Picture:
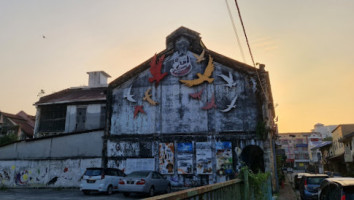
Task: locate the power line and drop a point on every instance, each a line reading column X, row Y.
column 249, row 49
column 235, row 31
column 244, row 31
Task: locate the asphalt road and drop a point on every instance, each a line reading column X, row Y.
column 55, row 194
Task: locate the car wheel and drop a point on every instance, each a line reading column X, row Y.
column 151, row 192
column 86, row 192
column 126, row 194
column 109, row 190
column 168, row 190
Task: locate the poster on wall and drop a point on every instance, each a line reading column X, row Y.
column 135, row 164
column 204, row 158
column 166, row 158
column 185, row 158
column 223, row 158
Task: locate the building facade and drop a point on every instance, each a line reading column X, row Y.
column 192, row 114
column 74, row 109
column 298, row 146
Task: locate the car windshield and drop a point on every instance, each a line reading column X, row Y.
column 138, row 174
column 315, row 180
column 349, row 192
column 93, row 172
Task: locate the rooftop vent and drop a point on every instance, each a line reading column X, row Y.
column 98, row 79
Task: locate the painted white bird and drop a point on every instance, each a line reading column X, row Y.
column 231, row 105
column 229, row 80
column 128, row 95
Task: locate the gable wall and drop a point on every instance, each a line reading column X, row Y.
column 177, row 112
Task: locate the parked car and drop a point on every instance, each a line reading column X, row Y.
column 100, row 180
column 297, row 179
column 337, row 189
column 333, row 174
column 309, row 185
column 148, row 182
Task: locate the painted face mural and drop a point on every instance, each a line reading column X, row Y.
column 181, row 61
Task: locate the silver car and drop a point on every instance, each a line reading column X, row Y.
column 148, row 182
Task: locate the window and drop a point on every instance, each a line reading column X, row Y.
column 52, row 118
column 80, row 118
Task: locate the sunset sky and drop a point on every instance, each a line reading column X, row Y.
column 306, row 45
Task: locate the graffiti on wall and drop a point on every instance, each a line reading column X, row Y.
column 166, row 158
column 204, row 158
column 63, row 173
column 4, row 175
column 123, row 149
column 185, row 158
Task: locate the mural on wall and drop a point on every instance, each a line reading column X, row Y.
column 155, row 70
column 185, row 158
column 200, row 57
column 127, row 95
column 223, row 158
column 4, row 175
column 22, row 177
column 231, row 105
column 197, row 95
column 62, row 173
column 229, row 80
column 205, row 77
column 181, row 59
column 138, row 109
column 147, row 98
column 166, row 158
column 123, row 148
column 210, row 104
column 204, row 158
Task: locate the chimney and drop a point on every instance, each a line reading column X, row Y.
column 98, row 79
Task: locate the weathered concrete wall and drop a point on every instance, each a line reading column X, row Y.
column 120, row 151
column 50, row 162
column 177, row 112
column 44, row 173
column 93, row 115
column 68, row 146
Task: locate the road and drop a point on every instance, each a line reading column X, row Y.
column 57, row 194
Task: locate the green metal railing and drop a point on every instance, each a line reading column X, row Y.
column 235, row 189
column 226, row 190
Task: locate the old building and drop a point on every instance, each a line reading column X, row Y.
column 20, row 124
column 73, row 109
column 298, row 147
column 192, row 114
column 337, row 160
column 68, row 139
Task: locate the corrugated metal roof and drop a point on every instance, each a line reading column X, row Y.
column 73, row 95
column 322, row 144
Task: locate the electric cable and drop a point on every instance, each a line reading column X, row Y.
column 235, row 31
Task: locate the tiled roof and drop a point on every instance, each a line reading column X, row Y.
column 23, row 120
column 73, row 95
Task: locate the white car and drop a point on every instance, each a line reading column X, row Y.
column 100, row 180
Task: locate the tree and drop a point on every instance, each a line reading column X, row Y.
column 8, row 139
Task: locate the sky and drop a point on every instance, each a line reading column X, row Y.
column 306, row 45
